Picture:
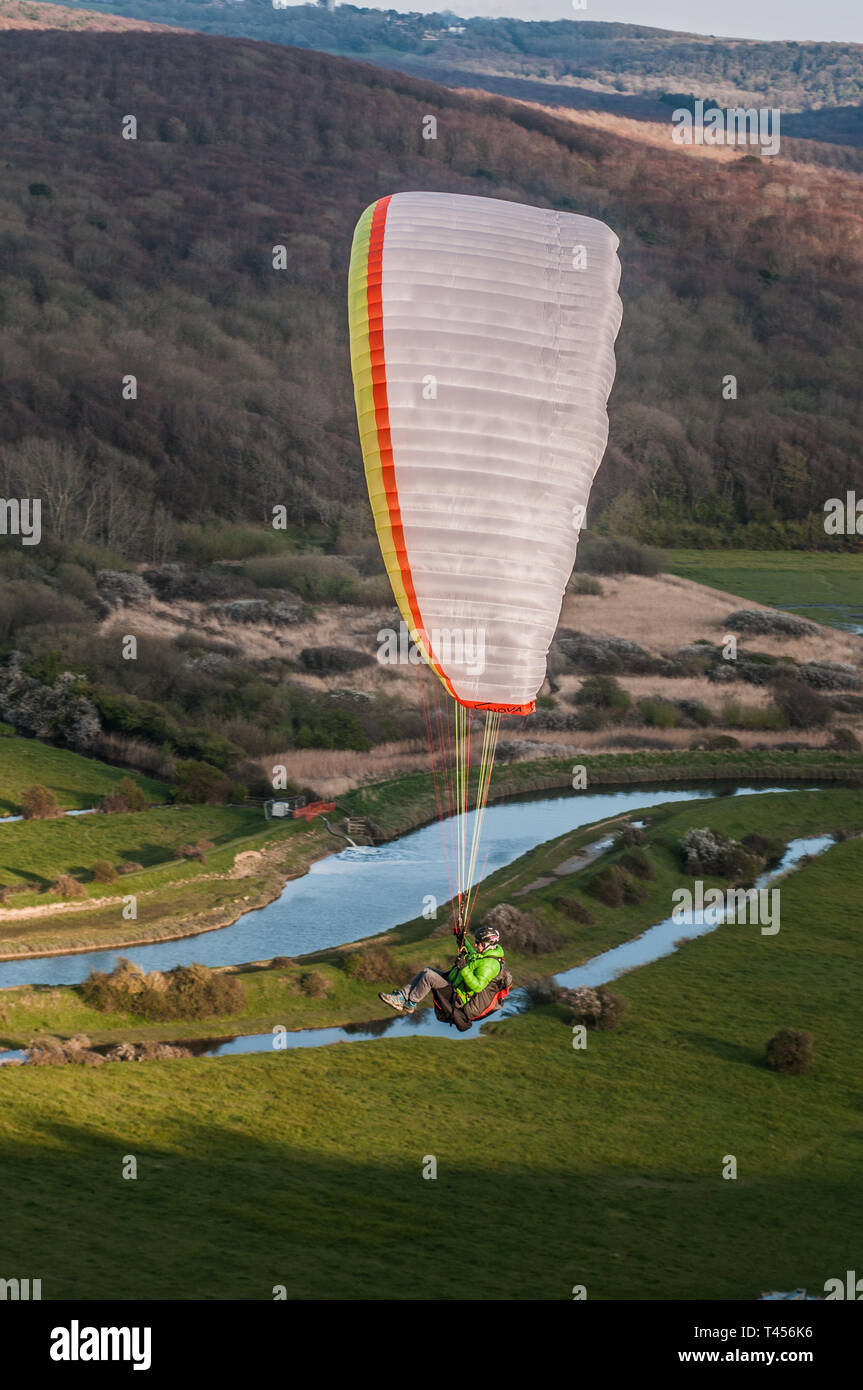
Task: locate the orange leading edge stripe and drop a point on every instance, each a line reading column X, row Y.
column 382, row 424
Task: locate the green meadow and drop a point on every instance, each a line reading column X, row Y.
column 77, row 782
column 811, row 582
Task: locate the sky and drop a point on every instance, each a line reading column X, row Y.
column 838, row 20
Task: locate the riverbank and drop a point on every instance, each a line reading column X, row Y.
column 275, row 993
column 174, row 902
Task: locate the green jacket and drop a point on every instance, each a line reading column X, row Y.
column 480, row 968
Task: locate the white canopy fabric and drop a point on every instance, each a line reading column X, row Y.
column 482, row 340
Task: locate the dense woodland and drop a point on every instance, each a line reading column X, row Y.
column 615, row 57
column 153, row 257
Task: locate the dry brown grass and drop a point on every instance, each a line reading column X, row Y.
column 609, row 740
column 661, row 614
column 333, row 773
column 800, row 173
column 668, row 612
column 337, row 625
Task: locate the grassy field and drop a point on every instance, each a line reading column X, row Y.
column 806, row 580
column 37, row 851
column 77, row 782
column 174, row 897
column 600, row 1167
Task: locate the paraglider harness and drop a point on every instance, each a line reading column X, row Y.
column 463, row 1016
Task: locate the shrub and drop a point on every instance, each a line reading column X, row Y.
column 576, row 910
column 829, row 675
column 803, row 707
column 636, row 862
column 371, row 965
column 604, row 692
column 591, row 719
column 531, row 936
column 103, row 871
column 68, row 887
column 709, row 853
column 595, row 1008
column 768, row 848
column 538, row 993
column 312, row 576
column 770, row 624
column 721, row 742
column 614, row 555
column 613, row 1007
column 629, row 835
column 790, row 1051
column 131, row 866
column 585, row 584
column 610, row 885
column 315, row 984
column 845, row 741
column 38, row 803
column 521, row 931
column 201, row 783
column 187, row 991
column 739, row 716
column 127, row 796
column 605, row 654
column 197, row 851
column 325, row 661
column 696, row 711
column 657, row 713
column 635, row 891
column 7, row 890
column 198, row 992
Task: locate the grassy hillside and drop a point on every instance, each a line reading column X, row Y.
column 304, row 1169
column 76, row 782
column 38, row 851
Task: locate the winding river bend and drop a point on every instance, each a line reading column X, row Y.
column 660, row 940
column 361, row 892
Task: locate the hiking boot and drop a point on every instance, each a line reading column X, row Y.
column 397, row 1001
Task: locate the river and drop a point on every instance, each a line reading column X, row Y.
column 362, row 892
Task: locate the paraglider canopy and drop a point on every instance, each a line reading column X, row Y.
column 482, row 345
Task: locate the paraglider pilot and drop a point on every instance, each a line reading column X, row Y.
column 465, row 994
